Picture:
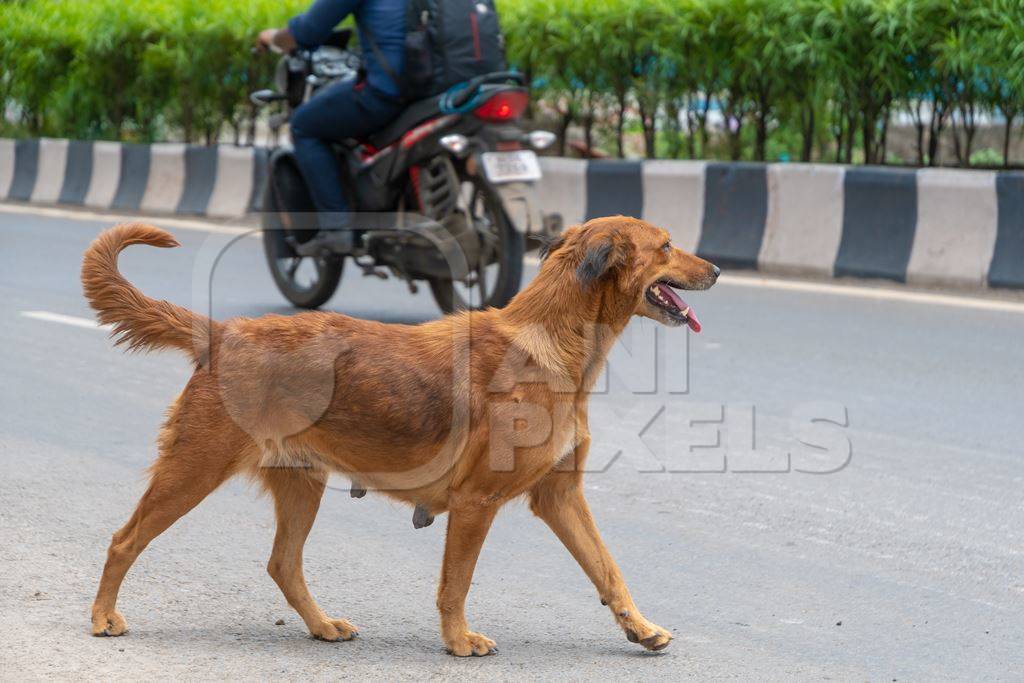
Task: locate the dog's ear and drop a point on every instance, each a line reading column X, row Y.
column 598, row 259
column 550, row 245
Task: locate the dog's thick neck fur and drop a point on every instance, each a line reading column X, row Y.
column 567, row 327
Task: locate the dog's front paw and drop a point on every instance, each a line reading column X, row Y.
column 639, row 630
column 651, row 636
column 333, row 630
column 108, row 624
column 469, row 644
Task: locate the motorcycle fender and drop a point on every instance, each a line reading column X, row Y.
column 519, row 200
column 278, row 155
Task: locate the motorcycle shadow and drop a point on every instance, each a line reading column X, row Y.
column 397, row 317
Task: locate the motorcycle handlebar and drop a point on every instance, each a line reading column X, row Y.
column 265, row 97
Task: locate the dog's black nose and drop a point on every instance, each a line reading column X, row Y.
column 716, row 270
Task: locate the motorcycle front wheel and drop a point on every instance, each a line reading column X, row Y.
column 495, row 278
column 306, row 281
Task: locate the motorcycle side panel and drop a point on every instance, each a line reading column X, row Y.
column 372, row 186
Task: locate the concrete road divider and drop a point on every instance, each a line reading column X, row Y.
column 26, row 167
column 104, row 174
column 1007, row 267
column 77, row 172
column 735, row 211
column 957, row 219
column 166, row 181
column 563, row 188
column 614, row 187
column 674, row 199
column 879, row 217
column 52, row 164
column 804, row 223
column 7, row 153
column 220, row 180
column 926, row 226
column 134, row 176
column 199, row 178
column 225, row 197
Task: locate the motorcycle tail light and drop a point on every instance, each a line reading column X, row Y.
column 507, row 105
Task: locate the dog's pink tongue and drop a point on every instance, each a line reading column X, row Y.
column 691, row 317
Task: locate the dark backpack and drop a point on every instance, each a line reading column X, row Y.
column 448, row 42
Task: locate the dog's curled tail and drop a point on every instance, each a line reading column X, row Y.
column 139, row 321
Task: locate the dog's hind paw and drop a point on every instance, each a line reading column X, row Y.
column 333, row 630
column 470, row 644
column 108, row 624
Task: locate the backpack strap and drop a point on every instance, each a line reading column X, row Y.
column 383, row 61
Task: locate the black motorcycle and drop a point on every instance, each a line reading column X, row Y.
column 442, row 194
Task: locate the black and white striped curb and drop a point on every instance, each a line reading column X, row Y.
column 220, row 180
column 924, row 226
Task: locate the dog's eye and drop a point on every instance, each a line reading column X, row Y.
column 667, row 247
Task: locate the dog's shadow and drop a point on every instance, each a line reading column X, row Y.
column 416, row 646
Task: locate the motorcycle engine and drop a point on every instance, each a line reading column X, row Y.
column 446, row 244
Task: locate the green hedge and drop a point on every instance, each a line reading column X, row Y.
column 134, row 70
column 827, row 74
column 815, row 79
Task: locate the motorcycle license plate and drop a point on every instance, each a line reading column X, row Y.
column 507, row 167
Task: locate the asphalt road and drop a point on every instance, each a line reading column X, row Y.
column 903, row 564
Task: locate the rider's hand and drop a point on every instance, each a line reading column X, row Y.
column 276, row 39
column 265, row 38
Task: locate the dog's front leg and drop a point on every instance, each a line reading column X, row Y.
column 558, row 500
column 469, row 520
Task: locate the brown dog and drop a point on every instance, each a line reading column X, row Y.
column 458, row 415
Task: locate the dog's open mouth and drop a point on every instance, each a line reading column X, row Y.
column 662, row 295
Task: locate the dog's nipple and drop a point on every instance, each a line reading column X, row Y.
column 421, row 517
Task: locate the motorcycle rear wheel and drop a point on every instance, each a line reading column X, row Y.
column 305, row 281
column 507, row 245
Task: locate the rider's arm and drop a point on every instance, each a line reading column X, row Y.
column 313, row 27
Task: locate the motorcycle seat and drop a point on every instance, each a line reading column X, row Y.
column 416, row 113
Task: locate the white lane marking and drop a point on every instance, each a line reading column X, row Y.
column 163, row 221
column 877, row 293
column 64, row 319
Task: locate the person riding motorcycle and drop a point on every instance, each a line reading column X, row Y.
column 346, row 109
column 415, row 166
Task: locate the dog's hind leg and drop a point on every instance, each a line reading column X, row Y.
column 182, row 477
column 297, row 492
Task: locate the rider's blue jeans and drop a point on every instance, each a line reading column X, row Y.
column 341, row 110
